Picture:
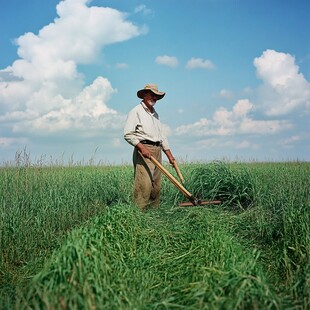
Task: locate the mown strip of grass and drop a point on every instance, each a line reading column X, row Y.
column 124, row 259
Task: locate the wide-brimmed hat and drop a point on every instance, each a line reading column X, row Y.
column 153, row 88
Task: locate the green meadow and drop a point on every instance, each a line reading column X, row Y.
column 71, row 238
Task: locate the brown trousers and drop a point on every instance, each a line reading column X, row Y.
column 147, row 181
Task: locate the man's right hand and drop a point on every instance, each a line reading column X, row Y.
column 144, row 150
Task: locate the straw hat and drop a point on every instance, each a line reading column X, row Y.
column 153, row 88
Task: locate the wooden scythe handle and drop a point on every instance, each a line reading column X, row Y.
column 176, row 167
column 172, row 178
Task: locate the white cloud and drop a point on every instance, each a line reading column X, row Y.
column 196, row 63
column 284, row 88
column 226, row 94
column 236, row 121
column 250, row 126
column 169, row 61
column 291, row 141
column 226, row 143
column 242, row 107
column 86, row 111
column 43, row 91
column 143, row 9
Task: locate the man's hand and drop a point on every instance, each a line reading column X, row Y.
column 143, row 150
column 170, row 157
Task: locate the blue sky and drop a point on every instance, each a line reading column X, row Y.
column 236, row 75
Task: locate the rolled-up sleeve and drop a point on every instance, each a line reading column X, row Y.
column 165, row 145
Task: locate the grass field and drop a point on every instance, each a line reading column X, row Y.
column 70, row 238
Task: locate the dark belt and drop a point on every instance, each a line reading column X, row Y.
column 157, row 143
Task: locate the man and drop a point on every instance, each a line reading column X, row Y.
column 144, row 131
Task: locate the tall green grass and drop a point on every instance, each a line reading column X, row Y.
column 230, row 184
column 71, row 238
column 39, row 205
column 280, row 224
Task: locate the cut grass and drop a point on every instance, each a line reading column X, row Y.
column 124, row 259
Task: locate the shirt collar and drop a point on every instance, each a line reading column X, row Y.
column 147, row 109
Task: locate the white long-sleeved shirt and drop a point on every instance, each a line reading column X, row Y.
column 142, row 124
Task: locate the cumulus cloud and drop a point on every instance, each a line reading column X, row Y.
column 86, row 111
column 199, row 63
column 234, row 122
column 284, row 88
column 43, row 90
column 169, row 61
